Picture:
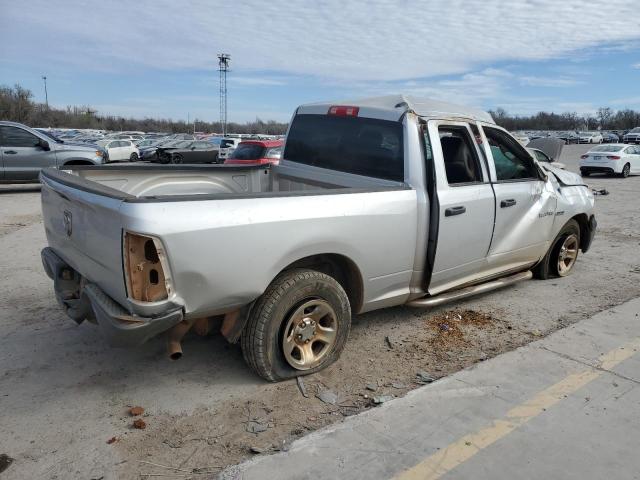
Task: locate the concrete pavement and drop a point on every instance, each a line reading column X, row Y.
column 567, row 406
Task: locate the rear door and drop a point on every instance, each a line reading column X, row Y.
column 525, row 203
column 22, row 155
column 633, row 157
column 467, row 205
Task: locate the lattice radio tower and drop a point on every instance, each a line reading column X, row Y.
column 223, row 64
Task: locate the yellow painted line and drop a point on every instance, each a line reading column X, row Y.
column 466, row 447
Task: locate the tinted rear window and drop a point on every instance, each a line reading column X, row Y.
column 363, row 146
column 248, row 151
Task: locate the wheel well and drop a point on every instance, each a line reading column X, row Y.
column 78, row 162
column 343, row 269
column 583, row 222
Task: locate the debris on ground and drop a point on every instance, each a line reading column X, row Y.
column 372, row 386
column 380, row 399
column 424, row 377
column 139, row 424
column 5, row 461
column 387, row 340
column 328, row 396
column 399, row 385
column 112, row 440
column 256, row 450
column 301, row 387
column 602, row 191
column 135, row 411
column 256, row 427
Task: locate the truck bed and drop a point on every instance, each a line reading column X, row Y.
column 130, row 182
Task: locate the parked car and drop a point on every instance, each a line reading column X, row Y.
column 146, row 153
column 633, row 136
column 199, row 151
column 610, row 137
column 568, row 137
column 256, row 152
column 227, row 146
column 589, row 137
column 163, row 153
column 521, row 137
column 398, row 208
column 120, row 150
column 615, row 158
column 25, row 151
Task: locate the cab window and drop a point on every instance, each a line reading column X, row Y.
column 17, row 137
column 511, row 160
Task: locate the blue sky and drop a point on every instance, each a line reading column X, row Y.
column 158, row 57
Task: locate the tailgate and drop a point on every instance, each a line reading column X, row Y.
column 84, row 228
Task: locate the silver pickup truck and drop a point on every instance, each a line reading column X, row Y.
column 378, row 202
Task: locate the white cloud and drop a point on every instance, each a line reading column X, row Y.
column 636, row 66
column 380, row 40
column 552, row 82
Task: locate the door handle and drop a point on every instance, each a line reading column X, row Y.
column 508, row 203
column 10, row 152
column 450, row 212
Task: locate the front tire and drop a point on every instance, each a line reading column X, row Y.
column 177, row 159
column 626, row 170
column 298, row 326
column 562, row 256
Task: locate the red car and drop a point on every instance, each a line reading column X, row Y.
column 256, row 152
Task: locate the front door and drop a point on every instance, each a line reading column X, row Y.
column 22, row 155
column 467, row 206
column 525, row 204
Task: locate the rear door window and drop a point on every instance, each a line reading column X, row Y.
column 362, row 146
column 460, row 157
column 248, row 151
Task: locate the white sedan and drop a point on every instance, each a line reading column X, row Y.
column 615, row 158
column 590, row 137
column 120, row 150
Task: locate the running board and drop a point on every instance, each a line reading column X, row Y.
column 468, row 291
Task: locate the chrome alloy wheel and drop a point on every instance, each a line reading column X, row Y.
column 310, row 334
column 567, row 255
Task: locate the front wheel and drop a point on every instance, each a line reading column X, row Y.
column 177, row 159
column 562, row 256
column 298, row 326
column 626, row 170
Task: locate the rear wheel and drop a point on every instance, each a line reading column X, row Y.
column 585, row 173
column 625, row 171
column 298, row 326
column 562, row 256
column 133, row 157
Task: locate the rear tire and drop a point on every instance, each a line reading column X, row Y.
column 559, row 254
column 585, row 173
column 298, row 326
column 133, row 157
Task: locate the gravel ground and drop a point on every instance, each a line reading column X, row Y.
column 65, row 396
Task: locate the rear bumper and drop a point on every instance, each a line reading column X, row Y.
column 83, row 300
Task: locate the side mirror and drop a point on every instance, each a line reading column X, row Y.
column 193, row 148
column 44, row 145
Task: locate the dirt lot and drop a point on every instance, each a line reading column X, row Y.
column 65, row 396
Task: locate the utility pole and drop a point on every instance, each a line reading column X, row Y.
column 223, row 65
column 46, row 95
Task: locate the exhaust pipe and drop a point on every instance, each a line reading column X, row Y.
column 468, row 291
column 174, row 338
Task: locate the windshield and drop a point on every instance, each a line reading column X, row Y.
column 607, row 148
column 635, row 130
column 248, row 151
column 362, row 146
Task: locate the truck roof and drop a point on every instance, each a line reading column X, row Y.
column 393, row 107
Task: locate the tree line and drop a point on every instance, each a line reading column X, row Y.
column 605, row 118
column 16, row 104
